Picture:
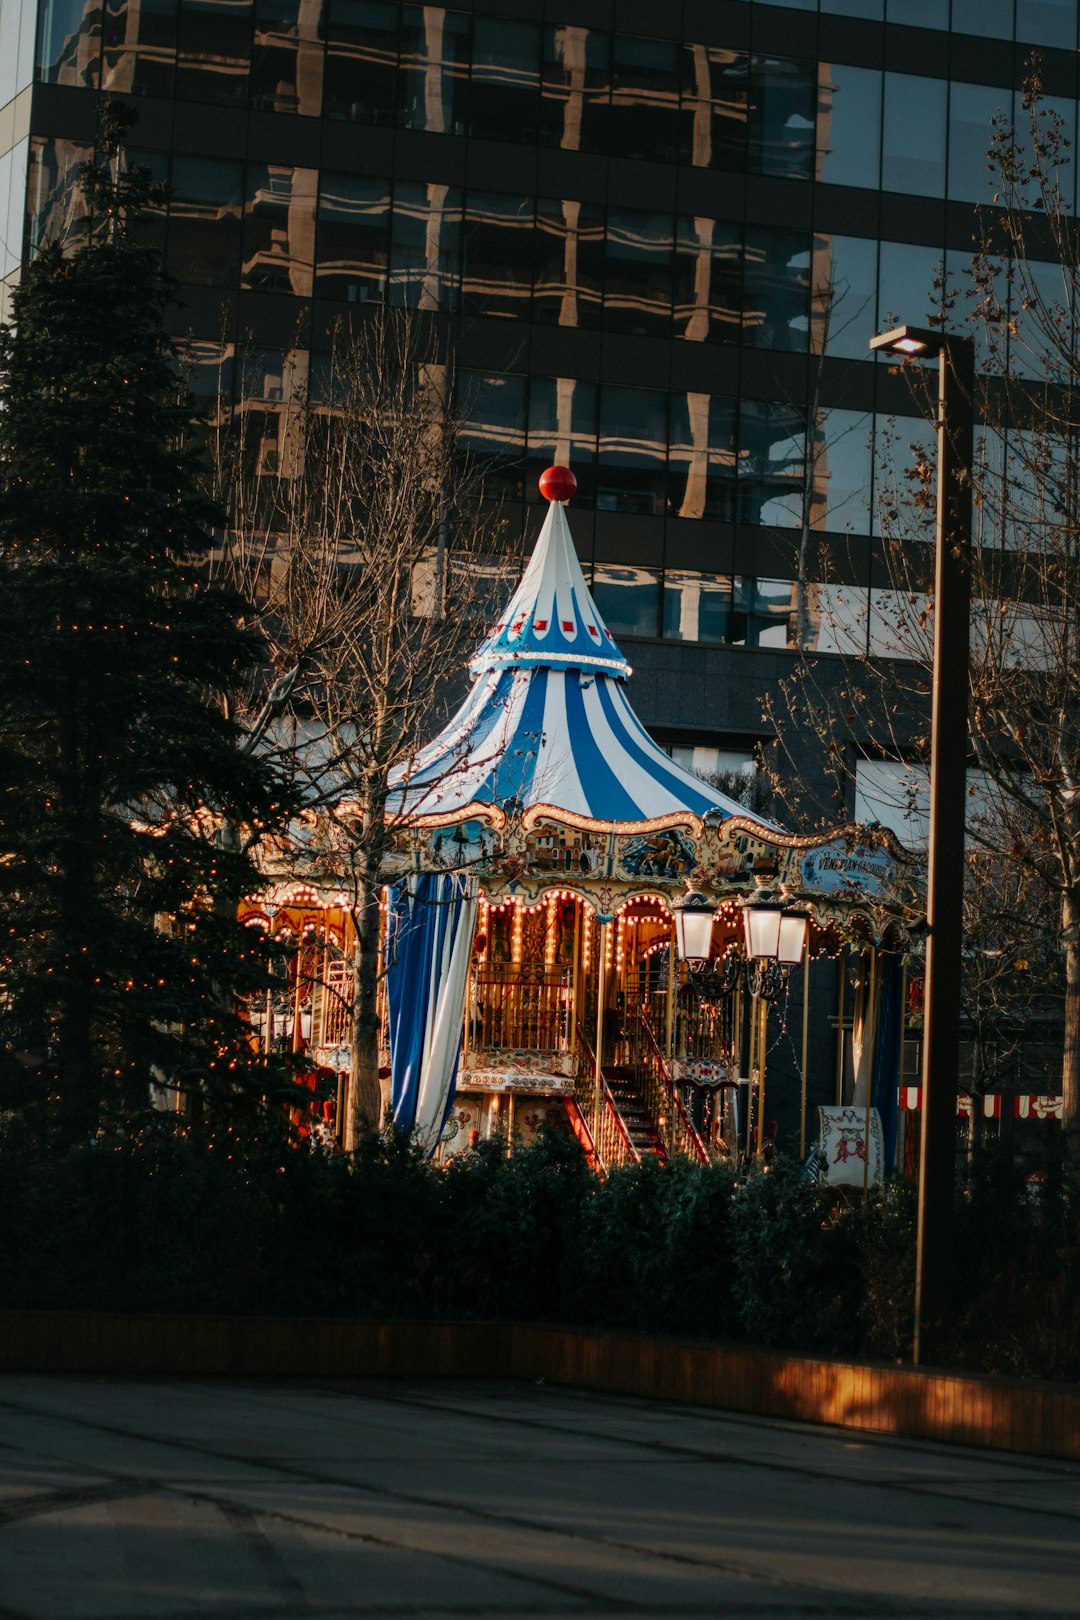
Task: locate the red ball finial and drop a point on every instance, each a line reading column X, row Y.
column 557, row 484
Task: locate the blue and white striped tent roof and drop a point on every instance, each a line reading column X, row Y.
column 547, row 726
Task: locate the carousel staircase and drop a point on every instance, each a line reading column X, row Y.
column 638, row 1123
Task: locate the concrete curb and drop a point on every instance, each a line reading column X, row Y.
column 1008, row 1414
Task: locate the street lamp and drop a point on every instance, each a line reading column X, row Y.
column 693, row 928
column 775, row 938
column 948, row 770
column 772, row 931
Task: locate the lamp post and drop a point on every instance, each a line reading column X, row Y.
column 774, row 936
column 945, row 854
column 694, row 916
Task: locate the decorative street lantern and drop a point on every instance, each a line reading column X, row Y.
column 693, row 928
column 792, row 944
column 762, row 915
column 773, row 934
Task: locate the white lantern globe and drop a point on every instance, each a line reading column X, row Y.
column 693, row 928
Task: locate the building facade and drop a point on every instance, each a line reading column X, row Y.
column 657, row 242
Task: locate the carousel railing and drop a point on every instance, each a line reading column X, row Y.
column 660, row 1093
column 611, row 1139
column 519, row 1008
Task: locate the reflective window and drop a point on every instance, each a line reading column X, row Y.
column 846, row 266
column 990, row 336
column 17, row 27
column 833, row 616
column 702, row 457
column 715, row 106
column 1047, row 22
column 492, row 430
column 1057, row 129
column 361, row 61
column 575, row 87
column 776, row 288
column 971, row 109
column 872, row 9
column 505, row 84
column 205, row 208
column 569, row 263
column 705, row 759
column 13, row 167
column 781, row 116
column 643, row 117
column 149, row 228
column 69, row 41
column 895, row 795
column 497, row 261
column 139, row 47
column 990, row 525
column 434, row 69
column 637, row 272
column 354, row 238
column 425, row 245
column 991, row 18
column 900, row 444
column 906, row 284
column 708, row 280
column 55, row 204
column 913, row 147
column 899, row 625
column 696, row 608
column 849, row 125
column 214, row 51
column 1038, row 323
column 287, row 57
column 772, row 449
column 562, row 431
column 632, row 450
column 1039, row 473
column 209, row 369
column 279, row 229
column 918, row 13
column 763, row 612
column 841, row 461
column 628, row 599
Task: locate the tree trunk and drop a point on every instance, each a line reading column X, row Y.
column 365, row 1105
column 1070, row 1066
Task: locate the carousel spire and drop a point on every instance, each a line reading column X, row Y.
column 551, row 620
column 548, row 727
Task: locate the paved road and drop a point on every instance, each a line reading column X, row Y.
column 170, row 1500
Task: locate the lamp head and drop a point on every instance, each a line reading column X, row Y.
column 693, row 927
column 909, row 341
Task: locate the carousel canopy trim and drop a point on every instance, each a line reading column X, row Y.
column 551, row 617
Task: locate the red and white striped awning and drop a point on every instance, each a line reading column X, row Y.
column 992, row 1106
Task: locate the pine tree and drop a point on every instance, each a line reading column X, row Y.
column 121, row 957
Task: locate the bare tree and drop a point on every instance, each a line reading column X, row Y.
column 1020, row 301
column 356, row 525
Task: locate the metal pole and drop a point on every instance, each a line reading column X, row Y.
column 751, row 1065
column 672, row 991
column 869, row 1036
column 805, row 1046
column 841, row 963
column 763, row 1037
column 598, row 1074
column 945, row 856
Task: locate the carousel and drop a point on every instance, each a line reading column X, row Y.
column 580, row 933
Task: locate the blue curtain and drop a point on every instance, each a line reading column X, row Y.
column 429, row 935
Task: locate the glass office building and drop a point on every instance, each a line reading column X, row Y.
column 657, row 239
